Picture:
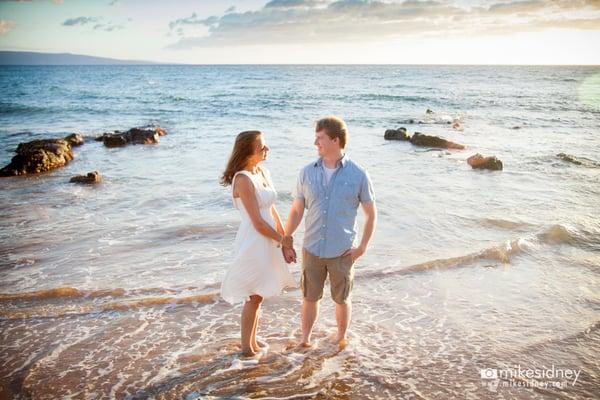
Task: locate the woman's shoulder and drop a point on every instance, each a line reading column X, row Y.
column 243, row 172
column 244, row 177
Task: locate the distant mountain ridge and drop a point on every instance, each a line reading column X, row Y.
column 35, row 58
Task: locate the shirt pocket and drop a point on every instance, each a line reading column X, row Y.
column 348, row 191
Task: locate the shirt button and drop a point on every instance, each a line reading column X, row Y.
column 323, row 226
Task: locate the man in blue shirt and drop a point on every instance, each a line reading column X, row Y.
column 330, row 189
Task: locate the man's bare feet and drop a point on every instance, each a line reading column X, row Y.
column 342, row 343
column 306, row 344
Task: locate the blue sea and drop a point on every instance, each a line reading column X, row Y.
column 111, row 290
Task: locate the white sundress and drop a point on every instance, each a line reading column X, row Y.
column 258, row 265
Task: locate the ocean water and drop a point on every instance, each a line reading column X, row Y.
column 112, row 290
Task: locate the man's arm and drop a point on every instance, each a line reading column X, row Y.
column 292, row 223
column 370, row 211
column 295, row 216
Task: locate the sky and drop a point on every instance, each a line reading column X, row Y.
column 309, row 31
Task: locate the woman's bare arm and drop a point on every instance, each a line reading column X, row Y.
column 277, row 220
column 245, row 190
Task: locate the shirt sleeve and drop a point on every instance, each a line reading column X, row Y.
column 366, row 194
column 298, row 192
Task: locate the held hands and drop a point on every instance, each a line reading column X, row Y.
column 287, row 248
column 289, row 254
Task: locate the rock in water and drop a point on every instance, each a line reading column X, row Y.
column 38, row 156
column 91, row 177
column 134, row 136
column 585, row 162
column 569, row 158
column 75, row 139
column 396, row 134
column 419, row 139
column 477, row 161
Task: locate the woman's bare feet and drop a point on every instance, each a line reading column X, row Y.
column 248, row 353
column 259, row 346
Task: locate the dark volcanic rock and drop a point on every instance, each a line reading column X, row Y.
column 91, row 177
column 38, row 156
column 419, row 139
column 569, row 158
column 585, row 162
column 477, row 161
column 134, row 136
column 396, row 134
column 75, row 139
column 114, row 139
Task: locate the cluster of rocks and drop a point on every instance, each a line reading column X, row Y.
column 132, row 136
column 420, row 139
column 476, row 161
column 43, row 155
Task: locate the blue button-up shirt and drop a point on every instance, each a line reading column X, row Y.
column 330, row 222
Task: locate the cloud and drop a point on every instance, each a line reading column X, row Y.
column 6, row 25
column 306, row 21
column 79, row 21
column 193, row 20
column 108, row 27
column 98, row 22
column 291, row 3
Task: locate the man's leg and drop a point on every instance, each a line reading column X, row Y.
column 314, row 273
column 341, row 277
column 343, row 315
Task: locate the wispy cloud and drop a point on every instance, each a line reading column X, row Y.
column 79, row 21
column 6, row 25
column 304, row 21
column 98, row 22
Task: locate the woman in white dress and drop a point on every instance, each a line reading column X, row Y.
column 259, row 269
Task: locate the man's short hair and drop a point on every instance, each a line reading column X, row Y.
column 334, row 127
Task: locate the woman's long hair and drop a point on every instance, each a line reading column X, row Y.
column 242, row 150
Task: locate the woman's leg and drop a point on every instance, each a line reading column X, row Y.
column 253, row 341
column 248, row 319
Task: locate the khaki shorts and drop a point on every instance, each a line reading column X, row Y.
column 314, row 273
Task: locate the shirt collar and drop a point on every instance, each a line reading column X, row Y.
column 342, row 161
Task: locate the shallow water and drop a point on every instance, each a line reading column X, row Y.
column 112, row 290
